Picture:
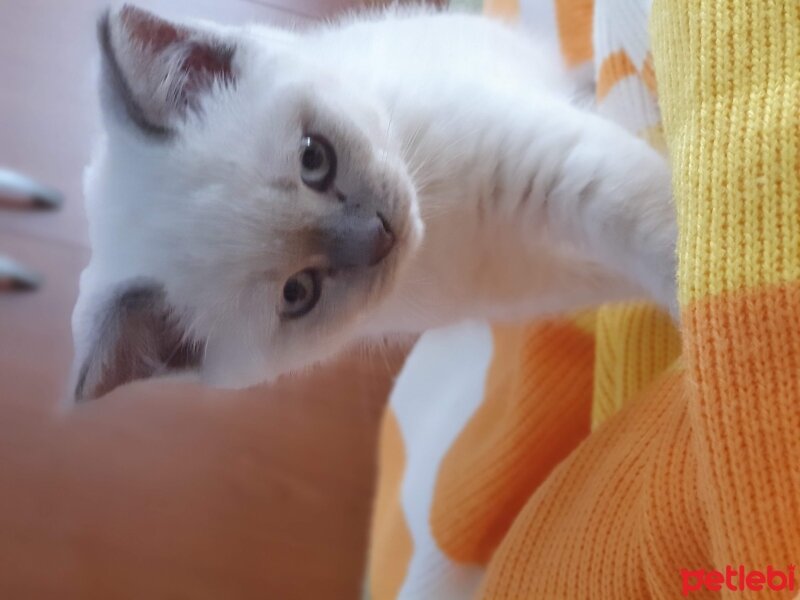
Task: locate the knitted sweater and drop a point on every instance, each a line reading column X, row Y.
column 574, row 457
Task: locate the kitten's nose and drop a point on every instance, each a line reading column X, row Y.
column 358, row 242
column 383, row 241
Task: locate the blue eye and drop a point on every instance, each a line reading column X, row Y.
column 317, row 162
column 300, row 294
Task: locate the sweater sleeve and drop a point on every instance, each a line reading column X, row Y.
column 729, row 84
column 702, row 470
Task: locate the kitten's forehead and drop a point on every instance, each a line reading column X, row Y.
column 297, row 74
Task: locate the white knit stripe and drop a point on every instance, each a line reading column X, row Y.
column 436, row 393
column 539, row 18
column 631, row 104
column 621, row 25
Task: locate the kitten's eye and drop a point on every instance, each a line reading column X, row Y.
column 300, row 294
column 317, row 162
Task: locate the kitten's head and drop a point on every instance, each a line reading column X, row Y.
column 247, row 207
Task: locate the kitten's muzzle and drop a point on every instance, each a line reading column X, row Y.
column 354, row 242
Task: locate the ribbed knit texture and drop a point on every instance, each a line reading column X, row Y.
column 491, row 483
column 729, row 76
column 704, row 471
column 487, row 475
column 635, row 343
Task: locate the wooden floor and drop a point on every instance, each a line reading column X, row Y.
column 160, row 490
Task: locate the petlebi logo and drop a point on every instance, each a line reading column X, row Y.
column 738, row 579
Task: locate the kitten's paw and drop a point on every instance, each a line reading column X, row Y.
column 660, row 278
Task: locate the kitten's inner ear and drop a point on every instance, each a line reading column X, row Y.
column 155, row 71
column 135, row 336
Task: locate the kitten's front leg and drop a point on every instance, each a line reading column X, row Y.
column 612, row 193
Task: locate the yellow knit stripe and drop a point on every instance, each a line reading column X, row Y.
column 736, row 112
column 635, row 343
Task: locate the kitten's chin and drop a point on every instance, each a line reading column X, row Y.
column 229, row 365
column 228, row 377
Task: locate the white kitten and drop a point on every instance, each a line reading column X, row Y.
column 262, row 198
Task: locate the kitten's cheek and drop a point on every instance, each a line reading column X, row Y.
column 229, row 364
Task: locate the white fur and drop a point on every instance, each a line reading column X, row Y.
column 509, row 201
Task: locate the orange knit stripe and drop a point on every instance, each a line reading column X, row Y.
column 648, row 74
column 615, row 67
column 391, row 545
column 535, row 412
column 504, row 9
column 617, row 517
column 574, row 22
column 743, row 349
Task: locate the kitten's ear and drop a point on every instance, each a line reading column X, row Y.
column 132, row 336
column 154, row 71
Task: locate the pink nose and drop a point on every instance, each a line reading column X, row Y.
column 383, row 241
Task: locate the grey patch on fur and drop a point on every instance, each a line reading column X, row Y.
column 137, row 337
column 552, row 185
column 526, row 193
column 588, row 191
column 496, row 186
